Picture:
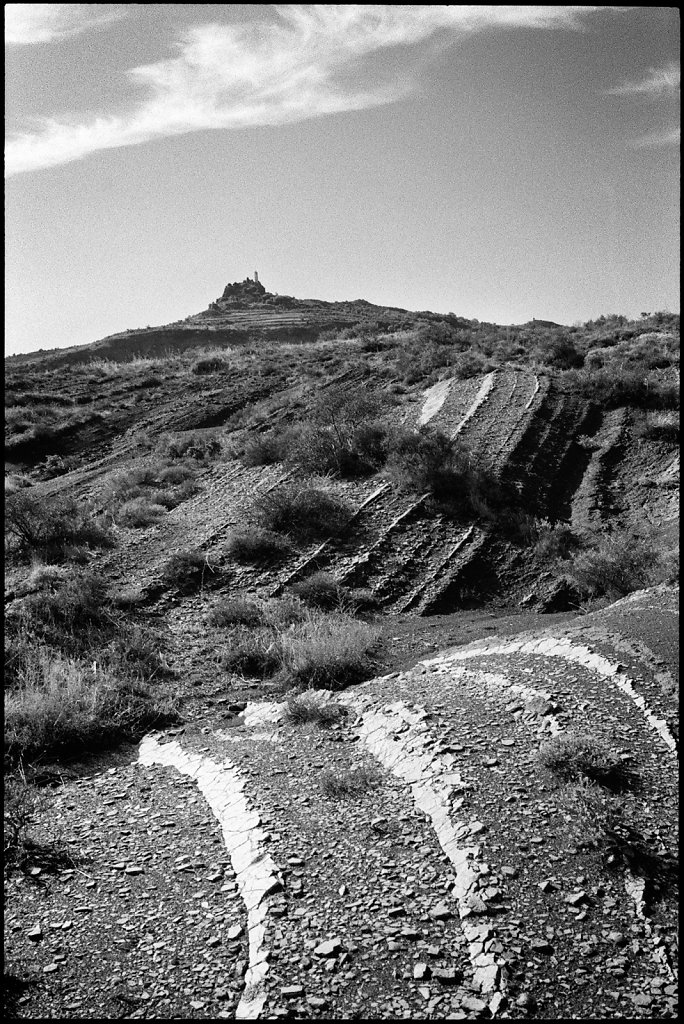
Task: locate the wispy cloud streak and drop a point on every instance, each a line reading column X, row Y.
column 28, row 24
column 663, row 137
column 304, row 64
column 657, row 83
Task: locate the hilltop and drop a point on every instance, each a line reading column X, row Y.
column 374, row 612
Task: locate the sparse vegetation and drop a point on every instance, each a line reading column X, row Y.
column 236, row 611
column 303, row 513
column 252, row 652
column 353, row 783
column 312, row 707
column 50, row 526
column 320, row 590
column 186, row 568
column 615, row 564
column 329, row 651
column 573, row 757
column 63, row 706
column 21, row 802
column 257, row 546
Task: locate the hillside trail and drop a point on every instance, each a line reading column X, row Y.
column 410, row 860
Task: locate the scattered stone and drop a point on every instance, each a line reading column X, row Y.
column 473, row 1005
column 292, row 992
column 441, row 912
column 421, row 972
column 576, row 898
column 329, row 948
column 541, row 946
column 526, row 1002
column 36, row 933
column 234, row 932
column 447, row 975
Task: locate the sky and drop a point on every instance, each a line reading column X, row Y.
column 501, row 163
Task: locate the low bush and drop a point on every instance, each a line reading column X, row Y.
column 311, row 707
column 660, row 426
column 571, row 757
column 235, row 611
column 257, row 546
column 329, row 651
column 304, row 513
column 210, row 365
column 140, row 512
column 184, row 568
column 617, row 564
column 252, row 652
column 426, row 461
column 320, row 590
column 354, row 782
column 554, row 541
column 191, row 445
column 265, row 449
column 64, row 706
column 21, row 802
column 50, row 526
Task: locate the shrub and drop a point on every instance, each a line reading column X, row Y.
column 617, row 564
column 264, row 449
column 283, row 611
column 304, row 513
column 16, row 482
column 554, row 541
column 140, row 512
column 320, row 590
column 235, row 611
column 20, row 805
column 78, row 604
column 329, row 651
column 661, row 426
column 49, row 526
column 185, row 567
column 311, row 707
column 572, row 757
column 209, row 365
column 258, row 546
column 192, row 445
column 427, row 461
column 251, row 652
column 64, row 706
column 351, row 783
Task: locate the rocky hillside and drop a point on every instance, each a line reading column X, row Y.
column 374, row 613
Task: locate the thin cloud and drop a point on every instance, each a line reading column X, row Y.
column 663, row 137
column 28, row 24
column 307, row 63
column 657, row 83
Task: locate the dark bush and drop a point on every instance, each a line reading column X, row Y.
column 304, row 513
column 209, row 365
column 235, row 611
column 185, row 567
column 258, row 546
column 252, row 652
column 319, row 591
column 265, row 449
column 50, row 525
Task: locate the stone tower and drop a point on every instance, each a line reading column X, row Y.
column 256, row 277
